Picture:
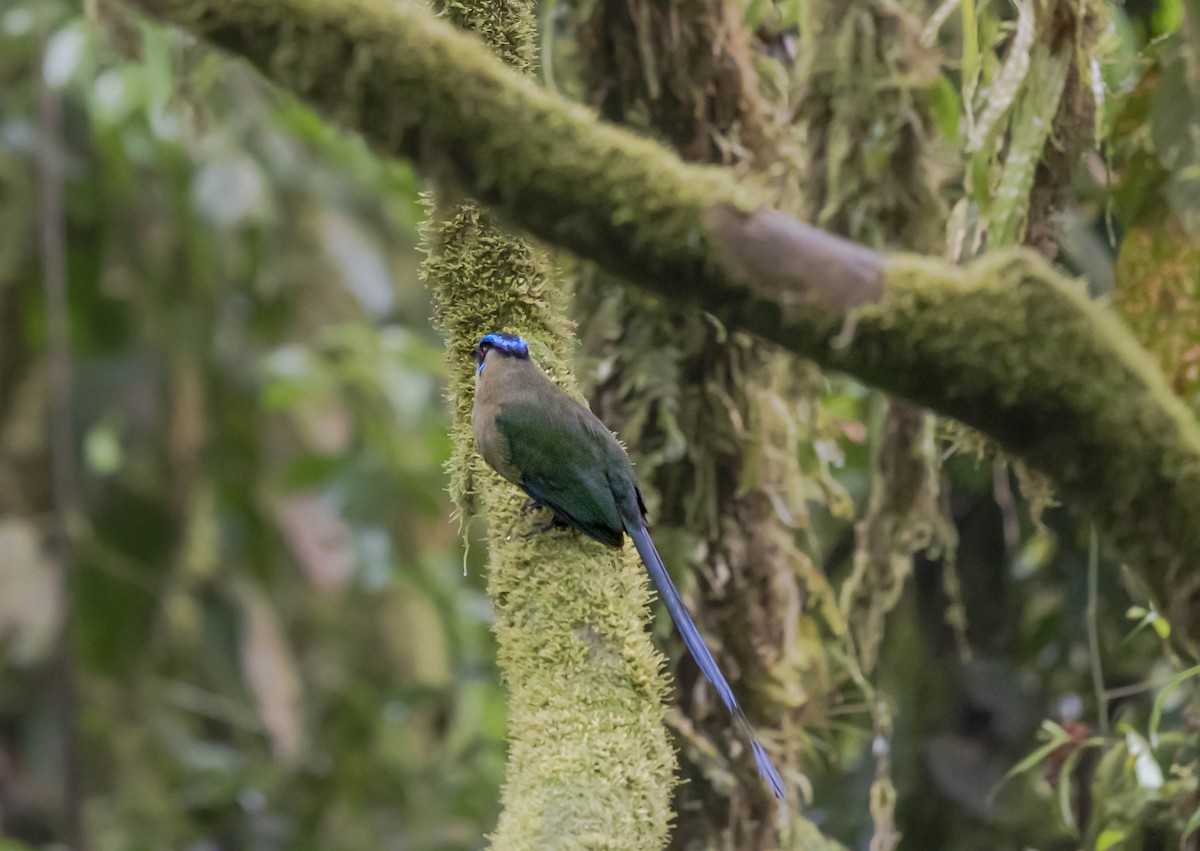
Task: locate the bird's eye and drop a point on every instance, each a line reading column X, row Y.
column 480, row 353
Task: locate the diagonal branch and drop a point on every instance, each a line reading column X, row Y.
column 1006, row 344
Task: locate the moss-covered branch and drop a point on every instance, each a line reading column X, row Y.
column 1007, row 344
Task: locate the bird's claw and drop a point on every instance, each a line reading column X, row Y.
column 546, row 526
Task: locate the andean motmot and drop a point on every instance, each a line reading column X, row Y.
column 557, row 451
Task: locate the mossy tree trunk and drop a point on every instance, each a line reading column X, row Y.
column 589, row 763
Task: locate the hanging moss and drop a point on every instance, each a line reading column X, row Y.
column 866, row 107
column 716, row 418
column 902, row 518
column 1089, row 408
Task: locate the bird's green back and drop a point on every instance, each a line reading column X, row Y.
column 568, row 460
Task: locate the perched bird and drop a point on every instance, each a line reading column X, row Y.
column 563, row 457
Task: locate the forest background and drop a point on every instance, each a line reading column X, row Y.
column 236, row 608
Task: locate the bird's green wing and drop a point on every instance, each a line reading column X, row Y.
column 563, row 454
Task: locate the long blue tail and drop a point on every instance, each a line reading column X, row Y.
column 695, row 644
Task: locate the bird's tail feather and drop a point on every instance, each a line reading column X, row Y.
column 695, row 644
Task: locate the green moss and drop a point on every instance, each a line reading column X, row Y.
column 589, row 763
column 1014, row 349
column 426, row 92
column 588, row 753
column 507, row 26
column 486, row 280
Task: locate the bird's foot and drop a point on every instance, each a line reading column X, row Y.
column 531, row 505
column 547, row 525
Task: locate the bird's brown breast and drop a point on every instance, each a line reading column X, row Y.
column 495, row 382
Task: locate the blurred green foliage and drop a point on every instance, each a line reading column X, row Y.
column 277, row 646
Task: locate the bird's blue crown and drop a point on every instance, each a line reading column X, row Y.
column 509, row 344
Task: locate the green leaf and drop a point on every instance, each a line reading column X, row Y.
column 1159, row 702
column 1057, row 737
column 1167, row 17
column 66, row 52
column 103, row 454
column 1146, row 769
column 1192, row 825
column 970, row 54
column 945, row 106
column 1108, row 839
column 1064, row 784
column 755, row 13
column 1162, row 626
column 1149, row 618
column 1064, row 793
column 1032, row 119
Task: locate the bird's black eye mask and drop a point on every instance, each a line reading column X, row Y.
column 509, row 345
